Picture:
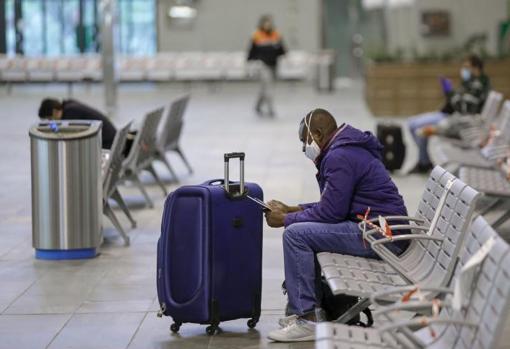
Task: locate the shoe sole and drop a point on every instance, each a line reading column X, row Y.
column 304, row 339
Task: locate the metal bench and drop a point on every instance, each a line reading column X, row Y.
column 141, row 155
column 453, row 156
column 111, row 176
column 493, row 184
column 168, row 138
column 482, row 321
column 438, row 230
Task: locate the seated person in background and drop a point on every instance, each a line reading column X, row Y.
column 467, row 100
column 351, row 179
column 70, row 109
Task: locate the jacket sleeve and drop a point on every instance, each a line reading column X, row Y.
column 307, row 205
column 252, row 51
column 335, row 202
column 281, row 49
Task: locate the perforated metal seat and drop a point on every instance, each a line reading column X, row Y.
column 110, row 180
column 141, row 155
column 168, row 138
column 429, row 200
column 483, row 322
column 446, row 152
column 492, row 183
column 431, row 256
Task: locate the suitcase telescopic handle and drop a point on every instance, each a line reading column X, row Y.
column 227, row 158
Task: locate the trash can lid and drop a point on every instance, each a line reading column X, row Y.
column 65, row 129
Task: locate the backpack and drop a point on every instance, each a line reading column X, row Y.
column 335, row 306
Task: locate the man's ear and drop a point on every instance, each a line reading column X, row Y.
column 319, row 136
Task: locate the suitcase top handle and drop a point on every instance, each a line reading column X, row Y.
column 241, row 191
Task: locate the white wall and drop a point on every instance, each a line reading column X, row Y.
column 228, row 24
column 467, row 17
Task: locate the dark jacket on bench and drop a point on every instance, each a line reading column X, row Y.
column 469, row 98
column 73, row 109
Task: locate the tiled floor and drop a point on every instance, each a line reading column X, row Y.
column 110, row 301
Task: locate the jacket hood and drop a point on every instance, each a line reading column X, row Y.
column 351, row 136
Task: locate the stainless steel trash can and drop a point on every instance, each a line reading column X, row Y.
column 66, row 188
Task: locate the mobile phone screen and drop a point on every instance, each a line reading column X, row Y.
column 260, row 203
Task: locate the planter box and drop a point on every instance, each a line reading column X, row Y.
column 406, row 89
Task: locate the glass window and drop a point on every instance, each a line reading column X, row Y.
column 32, row 27
column 70, row 24
column 137, row 24
column 10, row 32
column 90, row 25
column 57, row 27
column 53, row 26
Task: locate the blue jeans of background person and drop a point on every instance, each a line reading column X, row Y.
column 417, row 122
column 301, row 241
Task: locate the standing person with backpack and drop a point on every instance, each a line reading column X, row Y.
column 266, row 47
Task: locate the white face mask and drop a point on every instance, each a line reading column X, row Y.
column 312, row 150
column 465, row 74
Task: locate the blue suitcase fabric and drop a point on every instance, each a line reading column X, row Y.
column 209, row 264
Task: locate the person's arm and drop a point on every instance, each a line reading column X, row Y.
column 336, row 197
column 281, row 48
column 305, row 206
column 284, row 208
column 252, row 51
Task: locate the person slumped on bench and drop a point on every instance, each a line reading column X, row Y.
column 70, row 109
column 351, row 179
column 467, row 100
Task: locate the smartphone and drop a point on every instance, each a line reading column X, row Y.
column 265, row 207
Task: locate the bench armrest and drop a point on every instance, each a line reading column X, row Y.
column 393, row 218
column 370, row 232
column 404, row 289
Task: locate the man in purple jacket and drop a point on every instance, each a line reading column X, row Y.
column 352, row 179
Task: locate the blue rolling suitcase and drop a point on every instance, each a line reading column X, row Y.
column 209, row 266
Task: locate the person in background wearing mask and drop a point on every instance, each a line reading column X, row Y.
column 467, row 100
column 266, row 47
column 351, row 179
column 70, row 109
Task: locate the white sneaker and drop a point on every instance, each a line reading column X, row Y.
column 286, row 321
column 298, row 331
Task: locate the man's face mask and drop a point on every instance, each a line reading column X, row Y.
column 465, row 74
column 312, row 150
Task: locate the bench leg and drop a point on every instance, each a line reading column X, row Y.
column 495, row 203
column 184, row 159
column 353, row 311
column 140, row 186
column 154, row 174
column 162, row 158
column 501, row 220
column 111, row 215
column 120, row 201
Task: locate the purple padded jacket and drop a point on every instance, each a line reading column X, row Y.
column 351, row 178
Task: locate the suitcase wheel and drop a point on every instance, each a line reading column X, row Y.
column 211, row 330
column 252, row 323
column 175, row 327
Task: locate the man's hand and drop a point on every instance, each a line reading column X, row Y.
column 275, row 219
column 278, row 206
column 427, row 131
column 281, row 207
